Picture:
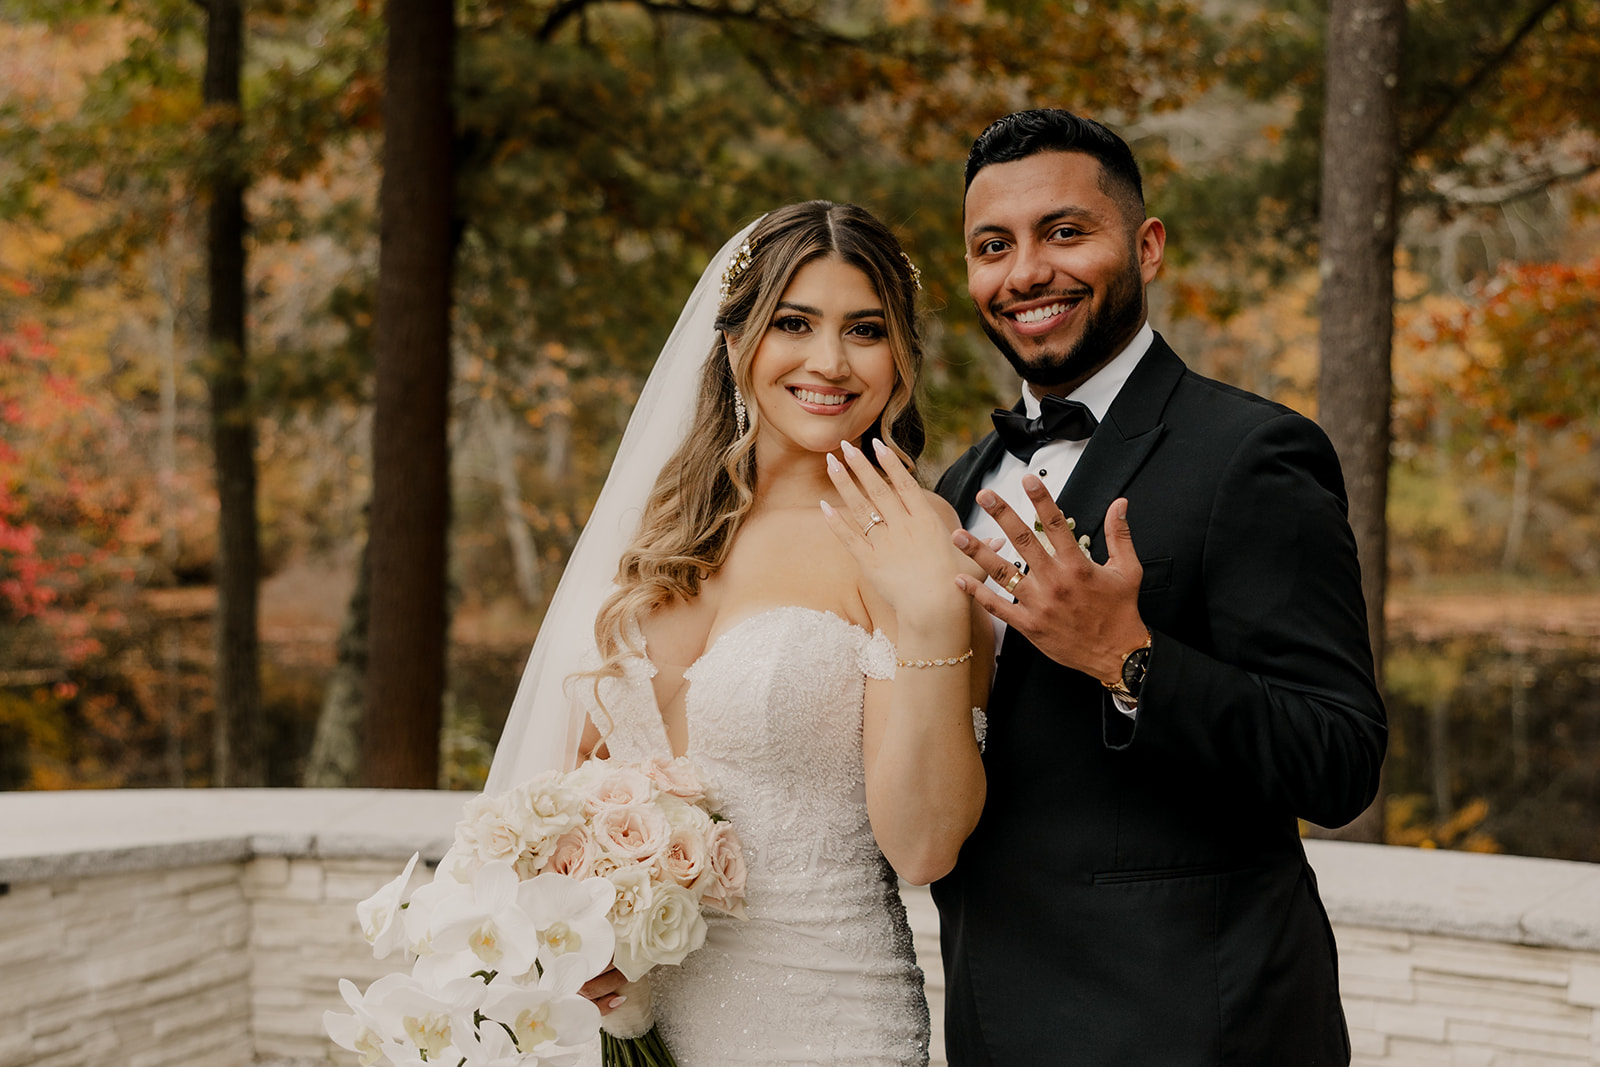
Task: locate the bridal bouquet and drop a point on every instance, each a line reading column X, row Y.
column 546, row 886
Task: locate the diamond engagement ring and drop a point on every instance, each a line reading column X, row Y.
column 877, row 520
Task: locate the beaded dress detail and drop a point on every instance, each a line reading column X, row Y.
column 823, row 970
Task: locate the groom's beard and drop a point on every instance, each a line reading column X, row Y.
column 1106, row 330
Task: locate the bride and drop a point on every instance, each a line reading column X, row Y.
column 785, row 614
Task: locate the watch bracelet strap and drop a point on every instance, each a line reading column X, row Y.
column 1119, row 688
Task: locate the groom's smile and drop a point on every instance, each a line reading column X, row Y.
column 1038, row 318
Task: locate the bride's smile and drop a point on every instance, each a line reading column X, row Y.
column 822, row 399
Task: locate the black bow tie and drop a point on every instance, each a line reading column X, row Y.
column 1059, row 420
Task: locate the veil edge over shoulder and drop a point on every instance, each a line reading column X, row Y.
column 545, row 723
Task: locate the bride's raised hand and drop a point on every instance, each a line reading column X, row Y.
column 896, row 532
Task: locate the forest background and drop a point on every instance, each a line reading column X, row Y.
column 594, row 154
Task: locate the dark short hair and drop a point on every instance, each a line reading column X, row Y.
column 1052, row 129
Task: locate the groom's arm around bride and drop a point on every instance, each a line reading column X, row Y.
column 1163, row 713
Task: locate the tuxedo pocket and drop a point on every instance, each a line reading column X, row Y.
column 1157, row 574
column 1157, row 874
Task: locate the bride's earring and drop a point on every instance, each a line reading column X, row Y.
column 740, row 416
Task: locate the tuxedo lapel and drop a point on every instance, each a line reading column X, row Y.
column 961, row 484
column 1123, row 441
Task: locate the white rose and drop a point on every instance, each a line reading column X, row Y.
column 489, row 829
column 683, row 815
column 635, row 891
column 547, row 809
column 673, row 927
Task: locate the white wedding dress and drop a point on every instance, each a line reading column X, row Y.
column 823, row 970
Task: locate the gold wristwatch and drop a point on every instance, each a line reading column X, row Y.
column 1130, row 679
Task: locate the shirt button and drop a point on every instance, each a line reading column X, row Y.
column 1043, row 472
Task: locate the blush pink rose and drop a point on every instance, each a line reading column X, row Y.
column 635, row 833
column 725, row 871
column 678, row 777
column 618, row 788
column 574, row 854
column 685, row 857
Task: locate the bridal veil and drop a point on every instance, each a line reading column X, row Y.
column 545, row 723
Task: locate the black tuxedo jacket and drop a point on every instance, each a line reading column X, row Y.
column 1136, row 891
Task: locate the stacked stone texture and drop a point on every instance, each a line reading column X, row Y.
column 202, row 951
column 145, row 969
column 1418, row 999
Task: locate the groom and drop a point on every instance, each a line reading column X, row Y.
column 1136, row 891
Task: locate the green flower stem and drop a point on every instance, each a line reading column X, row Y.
column 647, row 1051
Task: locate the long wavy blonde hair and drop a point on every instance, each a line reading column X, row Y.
column 705, row 490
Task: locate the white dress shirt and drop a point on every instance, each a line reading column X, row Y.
column 1054, row 462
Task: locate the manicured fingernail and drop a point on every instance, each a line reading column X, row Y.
column 846, row 447
column 826, row 509
column 961, row 538
column 833, row 464
column 961, row 582
column 879, row 445
column 1032, row 484
column 987, row 499
column 997, row 543
column 616, row 1002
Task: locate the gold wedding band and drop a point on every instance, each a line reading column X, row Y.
column 877, row 520
column 1012, row 582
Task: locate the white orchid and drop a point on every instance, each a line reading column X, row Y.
column 544, row 1022
column 483, row 916
column 379, row 914
column 439, row 1020
column 576, row 938
column 401, row 1021
column 492, row 1046
column 369, row 1031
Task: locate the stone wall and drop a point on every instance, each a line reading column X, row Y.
column 148, row 969
column 1419, row 999
column 210, row 928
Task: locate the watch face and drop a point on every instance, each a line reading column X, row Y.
column 1133, row 668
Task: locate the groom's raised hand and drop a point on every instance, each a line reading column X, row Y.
column 1082, row 614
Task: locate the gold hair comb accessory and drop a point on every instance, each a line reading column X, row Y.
column 916, row 273
column 738, row 263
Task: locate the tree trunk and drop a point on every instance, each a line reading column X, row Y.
column 238, row 751
column 1439, row 747
column 1522, row 679
column 335, row 760
column 410, row 445
column 501, row 427
column 1360, row 166
column 164, row 277
column 1521, row 497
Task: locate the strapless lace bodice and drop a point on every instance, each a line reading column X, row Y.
column 823, row 970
